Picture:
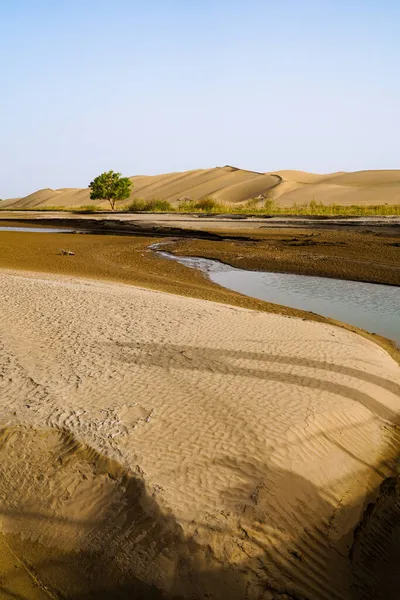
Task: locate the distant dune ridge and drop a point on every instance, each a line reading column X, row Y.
column 231, row 185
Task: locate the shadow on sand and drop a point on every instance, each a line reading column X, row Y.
column 138, row 550
column 142, row 554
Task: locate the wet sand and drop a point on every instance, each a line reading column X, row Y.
column 358, row 256
column 367, row 250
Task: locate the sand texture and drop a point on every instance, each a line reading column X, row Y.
column 233, row 185
column 156, row 446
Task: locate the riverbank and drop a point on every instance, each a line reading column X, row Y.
column 355, row 249
column 124, row 259
column 196, row 447
column 127, row 259
column 358, row 256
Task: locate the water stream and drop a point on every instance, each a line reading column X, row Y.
column 373, row 307
column 37, row 229
column 370, row 306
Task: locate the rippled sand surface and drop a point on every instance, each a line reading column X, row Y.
column 164, row 446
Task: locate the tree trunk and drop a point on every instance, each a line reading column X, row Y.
column 112, row 202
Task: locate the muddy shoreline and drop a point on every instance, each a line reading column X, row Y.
column 128, row 259
column 357, row 253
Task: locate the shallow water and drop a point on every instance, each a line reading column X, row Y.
column 37, row 229
column 370, row 306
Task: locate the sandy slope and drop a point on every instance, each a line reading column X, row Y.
column 151, row 442
column 232, row 185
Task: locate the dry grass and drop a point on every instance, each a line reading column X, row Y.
column 252, row 207
column 140, row 205
column 268, row 207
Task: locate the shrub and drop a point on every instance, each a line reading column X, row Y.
column 158, row 206
column 207, row 204
column 140, row 205
column 253, row 203
column 269, row 206
column 88, row 208
column 186, row 205
column 136, row 205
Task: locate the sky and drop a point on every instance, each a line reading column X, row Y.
column 155, row 86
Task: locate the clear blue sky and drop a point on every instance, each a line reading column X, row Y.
column 154, row 86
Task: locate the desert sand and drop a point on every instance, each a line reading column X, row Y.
column 231, row 185
column 156, row 446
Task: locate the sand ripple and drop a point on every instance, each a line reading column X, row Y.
column 185, row 447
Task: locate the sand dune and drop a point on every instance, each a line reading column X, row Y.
column 232, row 185
column 159, row 446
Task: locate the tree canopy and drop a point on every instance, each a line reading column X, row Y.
column 110, row 186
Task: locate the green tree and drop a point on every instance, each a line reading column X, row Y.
column 110, row 186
